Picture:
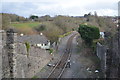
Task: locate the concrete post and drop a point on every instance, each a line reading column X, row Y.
column 119, row 37
column 5, row 63
column 10, row 45
column 1, row 47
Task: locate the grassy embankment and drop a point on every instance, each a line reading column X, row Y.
column 66, row 34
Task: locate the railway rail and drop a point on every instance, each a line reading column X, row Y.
column 62, row 63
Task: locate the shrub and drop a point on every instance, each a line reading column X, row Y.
column 40, row 27
column 28, row 47
column 34, row 77
column 88, row 33
column 51, row 50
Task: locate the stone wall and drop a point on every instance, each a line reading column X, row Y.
column 101, row 53
column 27, row 66
column 119, row 43
column 17, row 63
column 114, row 57
column 109, row 56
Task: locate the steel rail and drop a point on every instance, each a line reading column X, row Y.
column 64, row 58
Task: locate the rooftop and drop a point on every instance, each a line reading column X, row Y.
column 33, row 39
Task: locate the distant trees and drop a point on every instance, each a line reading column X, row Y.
column 46, row 17
column 60, row 21
column 88, row 33
column 13, row 17
column 52, row 33
column 61, row 24
column 33, row 17
column 5, row 21
column 18, row 18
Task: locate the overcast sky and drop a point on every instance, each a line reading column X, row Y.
column 60, row 7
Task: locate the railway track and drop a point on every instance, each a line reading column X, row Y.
column 62, row 63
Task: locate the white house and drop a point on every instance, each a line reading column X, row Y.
column 35, row 40
column 21, row 34
column 43, row 46
column 102, row 34
column 115, row 21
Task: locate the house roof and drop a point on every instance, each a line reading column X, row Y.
column 33, row 39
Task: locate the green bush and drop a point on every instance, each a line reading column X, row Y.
column 88, row 33
column 51, row 51
column 40, row 28
column 34, row 77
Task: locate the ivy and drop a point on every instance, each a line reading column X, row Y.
column 88, row 33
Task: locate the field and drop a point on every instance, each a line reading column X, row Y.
column 27, row 24
column 26, row 28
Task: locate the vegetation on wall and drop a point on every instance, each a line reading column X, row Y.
column 51, row 50
column 34, row 77
column 88, row 33
column 27, row 47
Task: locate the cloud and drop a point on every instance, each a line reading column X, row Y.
column 58, row 7
column 22, row 8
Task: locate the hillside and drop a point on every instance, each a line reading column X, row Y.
column 52, row 27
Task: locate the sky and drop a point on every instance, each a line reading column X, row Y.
column 59, row 7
